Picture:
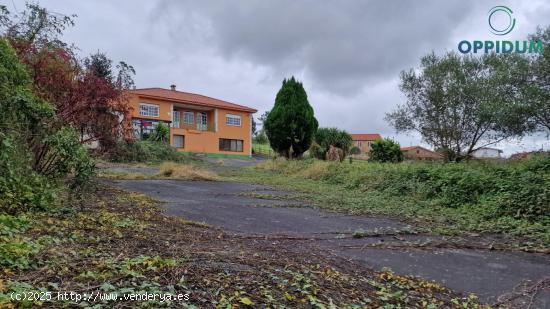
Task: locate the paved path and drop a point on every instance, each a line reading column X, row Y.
column 233, row 207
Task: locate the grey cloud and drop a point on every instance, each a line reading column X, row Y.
column 348, row 53
column 341, row 45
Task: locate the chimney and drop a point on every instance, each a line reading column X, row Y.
column 173, row 87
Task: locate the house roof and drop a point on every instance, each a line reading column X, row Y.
column 488, row 148
column 418, row 147
column 189, row 98
column 409, row 148
column 365, row 137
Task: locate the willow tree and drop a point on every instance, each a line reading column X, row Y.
column 537, row 92
column 459, row 104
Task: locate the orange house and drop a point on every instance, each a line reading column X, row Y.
column 363, row 141
column 198, row 124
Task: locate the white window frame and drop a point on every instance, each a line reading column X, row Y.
column 185, row 120
column 176, row 119
column 182, row 141
column 233, row 120
column 147, row 112
column 202, row 121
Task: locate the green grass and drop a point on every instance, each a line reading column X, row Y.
column 262, row 148
column 508, row 199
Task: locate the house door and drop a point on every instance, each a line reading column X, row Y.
column 202, row 121
column 176, row 116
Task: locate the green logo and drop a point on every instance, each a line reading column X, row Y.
column 497, row 15
column 499, row 10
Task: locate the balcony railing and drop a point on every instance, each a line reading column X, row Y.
column 209, row 127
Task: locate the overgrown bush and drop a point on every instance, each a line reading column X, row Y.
column 385, row 150
column 518, row 189
column 261, row 138
column 37, row 154
column 61, row 154
column 145, row 151
column 161, row 133
column 326, row 137
column 20, row 187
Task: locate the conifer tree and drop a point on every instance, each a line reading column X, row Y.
column 291, row 124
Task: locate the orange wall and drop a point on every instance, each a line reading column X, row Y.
column 202, row 141
column 363, row 145
column 164, row 112
column 209, row 117
column 208, row 142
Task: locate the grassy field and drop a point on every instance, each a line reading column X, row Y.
column 508, row 200
column 264, row 149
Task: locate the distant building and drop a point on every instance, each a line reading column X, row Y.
column 529, row 154
column 487, row 153
column 363, row 142
column 420, row 153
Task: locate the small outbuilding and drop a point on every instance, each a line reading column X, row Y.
column 420, row 153
column 485, row 153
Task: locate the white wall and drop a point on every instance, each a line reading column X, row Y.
column 486, row 153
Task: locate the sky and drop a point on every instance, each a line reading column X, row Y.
column 348, row 54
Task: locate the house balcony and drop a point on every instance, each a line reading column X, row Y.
column 193, row 119
column 194, row 127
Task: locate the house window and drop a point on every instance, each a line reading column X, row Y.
column 235, row 145
column 202, row 121
column 233, row 120
column 176, row 116
column 178, row 141
column 188, row 117
column 143, row 128
column 148, row 110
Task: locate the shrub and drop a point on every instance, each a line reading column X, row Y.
column 261, row 138
column 516, row 189
column 36, row 151
column 62, row 154
column 161, row 133
column 385, row 150
column 524, row 191
column 21, row 188
column 326, row 137
column 316, row 151
column 144, row 151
